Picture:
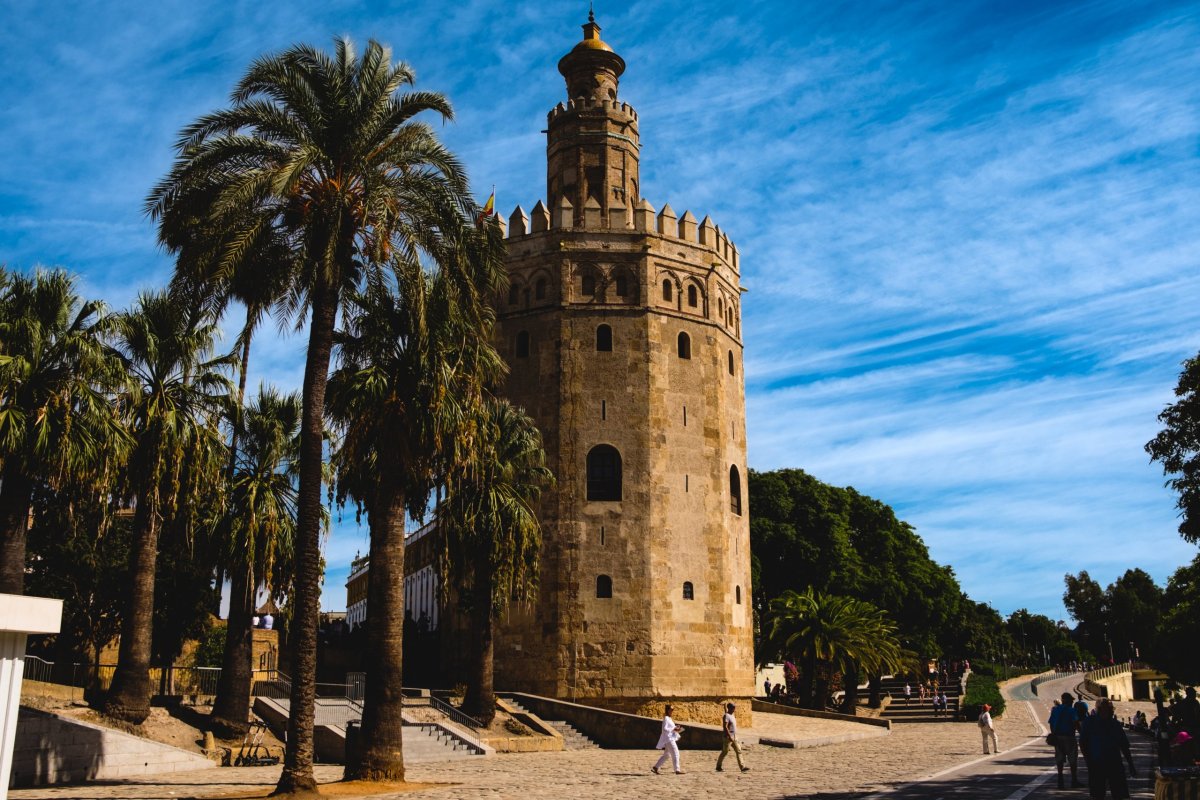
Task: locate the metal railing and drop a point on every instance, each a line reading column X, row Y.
column 50, row 679
column 454, row 714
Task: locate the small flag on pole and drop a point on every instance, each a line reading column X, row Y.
column 489, row 208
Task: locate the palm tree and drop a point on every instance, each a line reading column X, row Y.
column 178, row 394
column 492, row 535
column 408, row 368
column 841, row 633
column 56, row 420
column 325, row 150
column 260, row 531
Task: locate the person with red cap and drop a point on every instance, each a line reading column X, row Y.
column 988, row 730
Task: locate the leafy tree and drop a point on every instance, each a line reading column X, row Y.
column 325, row 149
column 1084, row 600
column 492, row 533
column 1178, row 645
column 259, row 533
column 56, row 422
column 79, row 552
column 805, row 533
column 172, row 410
column 1177, row 448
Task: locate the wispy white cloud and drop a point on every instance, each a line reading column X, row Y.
column 970, row 232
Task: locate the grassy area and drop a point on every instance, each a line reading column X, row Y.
column 1000, row 672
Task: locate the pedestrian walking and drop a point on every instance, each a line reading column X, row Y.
column 988, row 730
column 1104, row 742
column 907, row 693
column 767, row 688
column 730, row 741
column 668, row 742
column 1064, row 722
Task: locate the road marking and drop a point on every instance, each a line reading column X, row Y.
column 1024, row 791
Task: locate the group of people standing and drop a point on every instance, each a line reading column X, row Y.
column 1101, row 738
column 668, row 742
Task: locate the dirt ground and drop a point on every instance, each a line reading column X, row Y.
column 180, row 726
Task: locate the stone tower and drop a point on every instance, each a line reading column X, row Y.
column 622, row 330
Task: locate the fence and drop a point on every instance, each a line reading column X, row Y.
column 62, row 681
column 1047, row 676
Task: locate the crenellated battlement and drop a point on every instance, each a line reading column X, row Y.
column 574, row 106
column 640, row 219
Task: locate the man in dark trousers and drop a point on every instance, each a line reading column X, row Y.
column 1063, row 724
column 1103, row 741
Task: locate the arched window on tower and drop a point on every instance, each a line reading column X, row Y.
column 603, row 339
column 731, row 370
column 667, row 290
column 737, row 594
column 685, row 345
column 604, row 587
column 540, row 289
column 688, row 592
column 693, row 297
column 735, row 490
column 523, row 344
column 720, row 308
column 514, row 292
column 589, row 285
column 622, row 286
column 603, row 473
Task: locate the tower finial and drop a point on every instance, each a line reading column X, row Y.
column 591, row 13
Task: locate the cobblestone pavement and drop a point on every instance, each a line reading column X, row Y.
column 910, row 752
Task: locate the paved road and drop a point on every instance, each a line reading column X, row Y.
column 1026, row 770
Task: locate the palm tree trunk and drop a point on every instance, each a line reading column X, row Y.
column 129, row 696
column 808, row 676
column 850, row 684
column 379, row 755
column 231, row 708
column 875, row 691
column 297, row 776
column 16, row 494
column 235, row 428
column 480, row 701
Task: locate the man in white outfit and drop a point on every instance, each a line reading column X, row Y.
column 988, row 730
column 668, row 743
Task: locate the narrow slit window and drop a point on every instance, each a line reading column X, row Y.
column 589, row 285
column 685, row 416
column 523, row 344
column 688, row 592
column 731, row 370
column 622, row 286
column 735, row 490
column 693, row 297
column 667, row 290
column 737, row 594
column 685, row 345
column 604, row 339
column 540, row 289
column 601, row 534
column 603, row 409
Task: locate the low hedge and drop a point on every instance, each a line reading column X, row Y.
column 980, row 689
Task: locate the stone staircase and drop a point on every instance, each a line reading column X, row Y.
column 917, row 710
column 572, row 738
column 424, row 743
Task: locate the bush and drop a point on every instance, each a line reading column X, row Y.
column 980, row 689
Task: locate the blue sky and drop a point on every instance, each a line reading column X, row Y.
column 970, row 230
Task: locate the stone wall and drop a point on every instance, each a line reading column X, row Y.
column 52, row 749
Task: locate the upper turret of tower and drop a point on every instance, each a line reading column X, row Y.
column 592, row 147
column 592, row 69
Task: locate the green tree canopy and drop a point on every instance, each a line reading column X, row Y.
column 1177, row 448
column 806, row 533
